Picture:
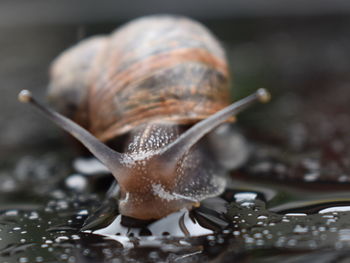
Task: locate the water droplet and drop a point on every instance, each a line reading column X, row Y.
column 311, row 177
column 23, row 260
column 76, row 182
column 11, row 213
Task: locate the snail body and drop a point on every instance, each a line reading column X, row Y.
column 162, row 83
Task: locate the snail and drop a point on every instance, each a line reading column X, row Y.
column 163, row 81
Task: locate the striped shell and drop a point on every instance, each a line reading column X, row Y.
column 153, row 69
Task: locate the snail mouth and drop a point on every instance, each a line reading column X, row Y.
column 153, row 206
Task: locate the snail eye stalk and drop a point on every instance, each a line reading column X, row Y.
column 106, row 155
column 175, row 150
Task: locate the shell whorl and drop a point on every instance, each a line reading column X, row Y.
column 157, row 68
column 70, row 78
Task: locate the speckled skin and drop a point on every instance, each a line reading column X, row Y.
column 158, row 190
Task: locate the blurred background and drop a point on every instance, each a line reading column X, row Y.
column 298, row 49
column 277, row 44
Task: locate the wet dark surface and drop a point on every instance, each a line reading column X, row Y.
column 281, row 205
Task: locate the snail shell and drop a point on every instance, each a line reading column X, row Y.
column 157, row 68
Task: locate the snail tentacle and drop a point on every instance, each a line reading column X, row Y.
column 175, row 150
column 111, row 158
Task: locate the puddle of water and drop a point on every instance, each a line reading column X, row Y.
column 247, row 221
